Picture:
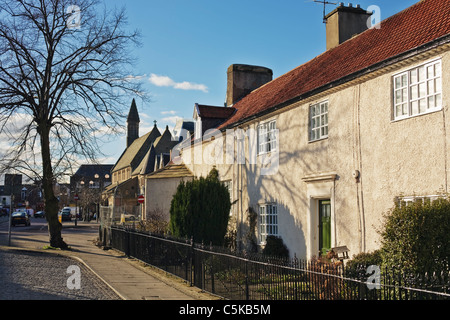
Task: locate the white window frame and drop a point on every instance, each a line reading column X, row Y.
column 267, row 137
column 417, row 91
column 318, row 121
column 408, row 200
column 267, row 221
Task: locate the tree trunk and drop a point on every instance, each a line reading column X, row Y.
column 51, row 202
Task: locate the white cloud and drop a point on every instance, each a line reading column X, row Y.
column 172, row 112
column 161, row 81
column 132, row 77
column 165, row 81
column 191, row 86
column 173, row 119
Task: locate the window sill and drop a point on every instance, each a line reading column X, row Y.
column 418, row 115
column 267, row 153
column 321, row 139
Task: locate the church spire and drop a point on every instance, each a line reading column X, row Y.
column 132, row 124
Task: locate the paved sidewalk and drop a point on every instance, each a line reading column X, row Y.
column 130, row 279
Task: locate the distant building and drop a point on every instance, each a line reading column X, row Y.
column 88, row 184
column 91, row 176
column 142, row 156
column 20, row 194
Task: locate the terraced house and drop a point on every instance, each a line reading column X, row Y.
column 346, row 133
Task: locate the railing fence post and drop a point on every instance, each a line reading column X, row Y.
column 191, row 262
column 247, row 293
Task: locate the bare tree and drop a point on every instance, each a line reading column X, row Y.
column 63, row 81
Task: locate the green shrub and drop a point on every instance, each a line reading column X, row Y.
column 275, row 247
column 416, row 237
column 357, row 266
column 200, row 209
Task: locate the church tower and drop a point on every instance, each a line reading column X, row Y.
column 132, row 124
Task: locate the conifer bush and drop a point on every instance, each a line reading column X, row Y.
column 200, row 209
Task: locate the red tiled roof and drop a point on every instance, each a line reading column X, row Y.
column 415, row 26
column 215, row 112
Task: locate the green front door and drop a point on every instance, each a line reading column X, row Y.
column 324, row 226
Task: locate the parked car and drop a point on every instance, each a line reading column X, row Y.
column 20, row 217
column 66, row 214
column 39, row 214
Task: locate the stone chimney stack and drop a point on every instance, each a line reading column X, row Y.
column 345, row 22
column 243, row 79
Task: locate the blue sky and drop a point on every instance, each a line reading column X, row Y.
column 187, row 46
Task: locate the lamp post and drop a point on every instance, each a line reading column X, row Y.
column 10, row 218
column 76, row 198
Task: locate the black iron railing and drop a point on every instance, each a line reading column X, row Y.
column 254, row 277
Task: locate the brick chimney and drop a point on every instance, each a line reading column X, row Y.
column 243, row 79
column 345, row 22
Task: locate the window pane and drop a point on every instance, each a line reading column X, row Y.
column 422, row 90
column 413, row 75
column 437, row 69
column 313, row 136
column 422, row 105
column 431, row 102
column 430, row 71
column 404, row 95
column 438, row 100
column 414, row 92
column 422, row 73
column 431, row 87
column 414, row 107
column 404, row 109
column 398, row 96
column 398, row 111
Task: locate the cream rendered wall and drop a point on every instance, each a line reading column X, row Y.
column 159, row 194
column 406, row 157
